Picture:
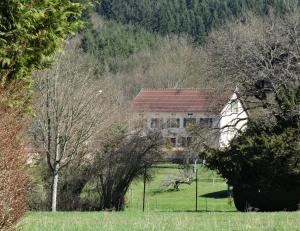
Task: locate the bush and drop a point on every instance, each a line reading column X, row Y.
column 38, row 198
column 121, row 157
column 72, row 182
column 13, row 181
column 263, row 165
column 246, row 199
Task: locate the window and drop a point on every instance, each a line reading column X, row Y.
column 189, row 122
column 186, row 141
column 173, row 141
column 156, row 123
column 173, row 123
column 234, row 106
column 206, row 122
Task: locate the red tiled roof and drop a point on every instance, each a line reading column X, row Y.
column 181, row 100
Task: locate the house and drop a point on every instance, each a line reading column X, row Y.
column 174, row 110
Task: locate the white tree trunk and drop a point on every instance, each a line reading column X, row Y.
column 54, row 188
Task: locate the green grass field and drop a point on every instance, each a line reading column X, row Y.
column 167, row 210
column 212, row 194
column 160, row 221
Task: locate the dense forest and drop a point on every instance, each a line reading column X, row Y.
column 193, row 17
column 130, row 27
column 114, row 42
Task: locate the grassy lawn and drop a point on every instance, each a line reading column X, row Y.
column 162, row 221
column 167, row 210
column 212, row 194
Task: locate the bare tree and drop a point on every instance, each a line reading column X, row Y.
column 259, row 55
column 174, row 64
column 68, row 111
column 121, row 157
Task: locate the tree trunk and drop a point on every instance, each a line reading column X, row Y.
column 54, row 188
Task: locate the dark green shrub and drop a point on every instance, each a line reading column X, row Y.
column 263, row 166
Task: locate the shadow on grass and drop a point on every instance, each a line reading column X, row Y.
column 199, row 211
column 217, row 195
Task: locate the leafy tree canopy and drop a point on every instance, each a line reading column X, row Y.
column 31, row 32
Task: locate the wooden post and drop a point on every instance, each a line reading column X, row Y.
column 196, row 189
column 144, row 193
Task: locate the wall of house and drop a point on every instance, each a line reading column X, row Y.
column 233, row 118
column 180, row 132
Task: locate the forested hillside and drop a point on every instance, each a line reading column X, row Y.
column 113, row 42
column 157, row 43
column 193, row 17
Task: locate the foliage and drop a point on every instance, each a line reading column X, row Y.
column 261, row 56
column 172, row 63
column 13, row 180
column 262, row 162
column 121, row 158
column 38, row 198
column 30, row 34
column 113, row 43
column 72, row 182
column 68, row 113
column 192, row 17
column 262, row 157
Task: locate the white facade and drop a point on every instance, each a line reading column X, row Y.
column 233, row 118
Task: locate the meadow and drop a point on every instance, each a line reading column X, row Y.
column 212, row 191
column 164, row 221
column 167, row 210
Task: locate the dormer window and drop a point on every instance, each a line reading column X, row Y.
column 234, row 106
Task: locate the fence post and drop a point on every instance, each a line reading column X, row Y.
column 196, row 189
column 144, row 193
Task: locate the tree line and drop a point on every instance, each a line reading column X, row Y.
column 113, row 42
column 193, row 17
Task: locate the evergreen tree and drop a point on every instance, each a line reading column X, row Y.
column 200, row 30
column 165, row 16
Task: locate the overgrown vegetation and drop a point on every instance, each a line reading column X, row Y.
column 69, row 113
column 261, row 56
column 30, row 34
column 122, row 157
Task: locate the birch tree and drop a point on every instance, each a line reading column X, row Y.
column 68, row 112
